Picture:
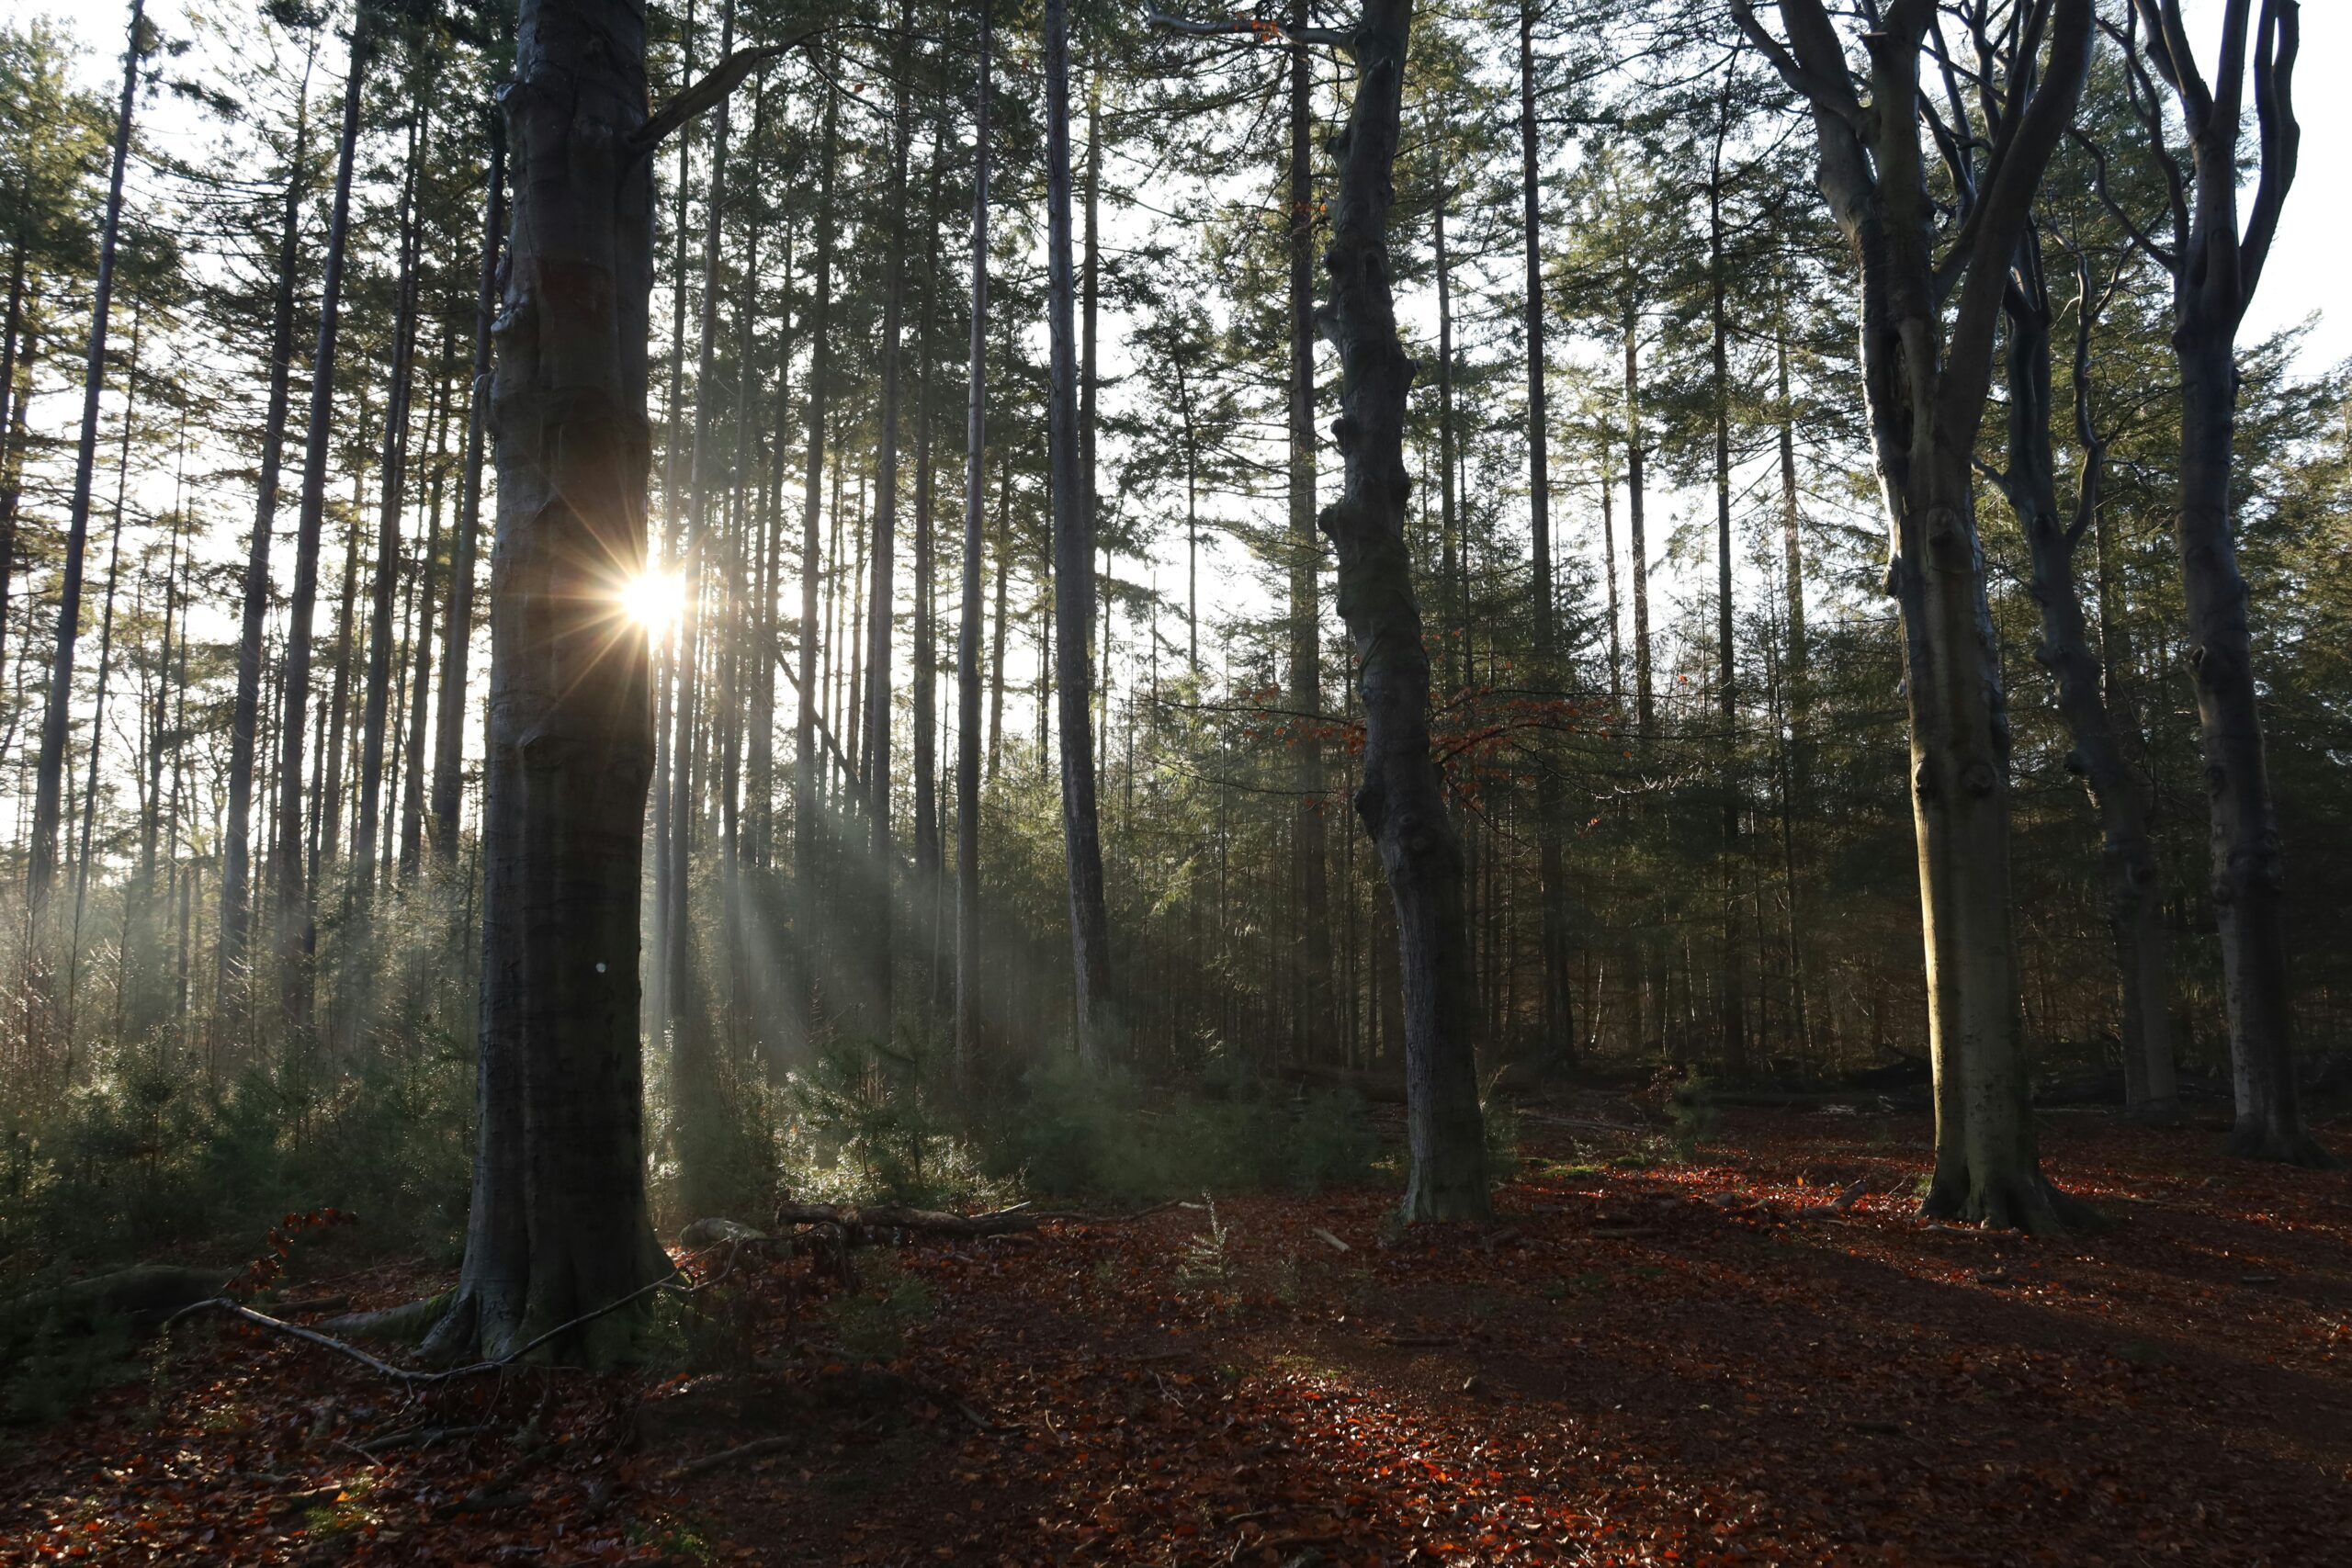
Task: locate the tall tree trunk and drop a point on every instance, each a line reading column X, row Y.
column 412, row 850
column 1927, row 369
column 2216, row 267
column 456, row 646
column 1310, row 898
column 694, row 1083
column 668, row 880
column 380, row 628
column 2127, row 851
column 924, row 720
column 236, row 848
column 1402, row 801
column 1089, row 925
column 883, row 599
column 296, row 926
column 559, row 1228
column 1732, row 1013
column 807, row 808
column 1636, row 535
column 12, row 340
column 967, row 619
column 1558, row 984
column 49, row 789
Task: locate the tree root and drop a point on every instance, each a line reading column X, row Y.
column 2291, row 1146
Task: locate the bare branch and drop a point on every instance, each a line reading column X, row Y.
column 2278, row 40
column 1265, row 29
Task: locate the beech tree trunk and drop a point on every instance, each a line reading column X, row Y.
column 2216, row 267
column 1926, row 370
column 2119, row 795
column 558, row 1226
column 1089, row 925
column 1402, row 802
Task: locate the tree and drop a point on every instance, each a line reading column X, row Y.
column 968, row 625
column 2215, row 267
column 1926, row 386
column 559, row 1228
column 1090, row 921
column 50, row 786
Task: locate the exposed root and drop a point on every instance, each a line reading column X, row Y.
column 2253, row 1139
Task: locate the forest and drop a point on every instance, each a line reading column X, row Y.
column 1052, row 781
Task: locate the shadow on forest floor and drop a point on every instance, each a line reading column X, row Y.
column 1638, row 1362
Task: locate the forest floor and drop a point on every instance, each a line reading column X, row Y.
column 1643, row 1360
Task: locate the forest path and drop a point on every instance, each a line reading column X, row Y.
column 1643, row 1360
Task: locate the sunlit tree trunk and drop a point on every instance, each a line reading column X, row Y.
column 1401, row 802
column 558, row 1226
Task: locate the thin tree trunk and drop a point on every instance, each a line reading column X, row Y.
column 1636, row 535
column 236, row 849
column 380, row 649
column 449, row 751
column 296, row 925
column 968, row 633
column 882, row 602
column 1732, row 1012
column 1311, row 946
column 1558, row 981
column 420, row 679
column 806, row 808
column 1074, row 577
column 49, row 790
column 2127, row 851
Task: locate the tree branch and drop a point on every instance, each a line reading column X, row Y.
column 1265, row 29
column 2279, row 38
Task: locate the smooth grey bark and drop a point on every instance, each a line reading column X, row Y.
column 1089, row 925
column 457, row 627
column 967, row 619
column 1402, row 801
column 2119, row 793
column 296, row 924
column 1926, row 327
column 49, row 788
column 2215, row 268
column 236, row 845
column 558, row 1226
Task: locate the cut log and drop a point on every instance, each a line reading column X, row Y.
column 893, row 1216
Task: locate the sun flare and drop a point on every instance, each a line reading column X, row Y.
column 654, row 600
